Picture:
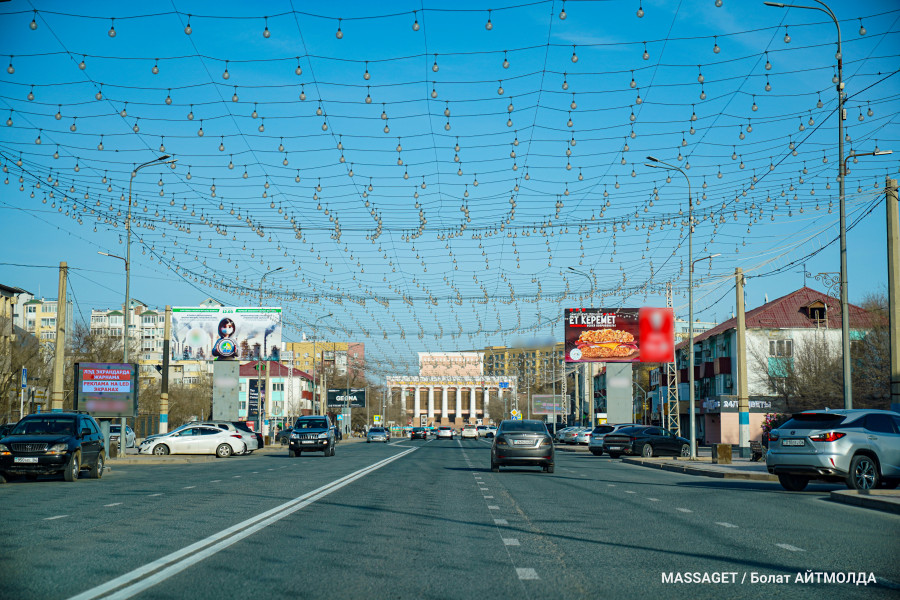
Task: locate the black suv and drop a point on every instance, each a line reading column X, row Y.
column 312, row 434
column 57, row 442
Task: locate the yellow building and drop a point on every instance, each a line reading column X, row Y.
column 341, row 356
column 40, row 319
column 538, row 364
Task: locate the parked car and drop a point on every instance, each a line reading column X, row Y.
column 645, row 441
column 114, row 431
column 58, row 442
column 249, row 437
column 856, row 446
column 312, row 433
column 283, row 435
column 559, row 434
column 377, row 434
column 469, row 431
column 568, row 436
column 596, row 443
column 583, row 437
column 245, row 427
column 445, row 432
column 525, row 442
column 418, row 433
column 481, row 429
column 491, row 432
column 196, row 439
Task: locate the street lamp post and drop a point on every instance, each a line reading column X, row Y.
column 315, row 376
column 162, row 160
column 842, row 169
column 584, row 391
column 691, row 408
column 265, row 392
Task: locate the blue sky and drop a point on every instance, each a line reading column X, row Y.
column 451, row 265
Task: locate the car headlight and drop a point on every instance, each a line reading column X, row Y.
column 4, row 451
column 58, row 449
column 323, row 436
column 295, row 436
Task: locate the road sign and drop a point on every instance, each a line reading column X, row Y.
column 340, row 417
column 24, row 377
column 504, row 384
column 423, row 420
column 516, row 415
column 376, row 419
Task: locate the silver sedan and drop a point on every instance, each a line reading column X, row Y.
column 377, row 434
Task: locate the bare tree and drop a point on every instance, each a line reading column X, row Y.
column 186, row 401
column 26, row 351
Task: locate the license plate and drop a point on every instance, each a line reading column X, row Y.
column 523, row 443
column 26, row 459
column 614, row 447
column 308, row 442
column 794, row 442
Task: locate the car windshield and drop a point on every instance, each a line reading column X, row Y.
column 376, row 430
column 630, row 430
column 523, row 426
column 44, row 426
column 445, row 429
column 813, row 421
column 418, row 429
column 311, row 424
column 602, row 429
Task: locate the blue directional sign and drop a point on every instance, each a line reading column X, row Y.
column 24, row 377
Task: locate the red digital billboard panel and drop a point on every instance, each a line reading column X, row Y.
column 619, row 335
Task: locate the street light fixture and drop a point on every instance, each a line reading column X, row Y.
column 264, row 393
column 842, row 170
column 658, row 164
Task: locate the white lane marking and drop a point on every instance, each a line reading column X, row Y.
column 152, row 495
column 726, row 525
column 237, row 476
column 488, row 497
column 254, row 472
column 141, row 579
column 790, row 548
column 526, row 573
column 483, row 489
column 266, row 470
column 56, row 517
column 190, row 487
column 510, row 541
column 653, row 499
column 630, row 492
column 501, row 522
column 684, row 510
column 113, row 504
column 493, row 507
column 610, row 485
column 218, row 480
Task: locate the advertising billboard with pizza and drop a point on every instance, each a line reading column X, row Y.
column 619, row 335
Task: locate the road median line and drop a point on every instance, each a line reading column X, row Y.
column 163, row 568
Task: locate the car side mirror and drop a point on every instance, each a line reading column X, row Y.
column 85, row 431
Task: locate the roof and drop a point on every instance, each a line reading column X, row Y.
column 12, row 291
column 277, row 369
column 787, row 312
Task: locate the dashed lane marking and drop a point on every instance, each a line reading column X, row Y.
column 488, row 497
column 526, row 573
column 630, row 492
column 653, row 499
column 113, row 504
column 218, row 480
column 237, row 477
column 483, row 489
column 152, row 495
column 189, row 487
column 726, row 525
column 501, row 522
column 684, row 510
column 510, row 541
column 790, row 548
column 56, row 517
column 493, row 507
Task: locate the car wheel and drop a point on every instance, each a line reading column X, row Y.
column 291, row 453
column 223, row 451
column 548, row 469
column 647, row 451
column 72, row 468
column 863, row 473
column 614, row 454
column 160, row 450
column 97, row 470
column 495, row 468
column 793, row 483
column 685, row 450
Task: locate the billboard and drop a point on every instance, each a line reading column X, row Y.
column 628, row 335
column 547, row 404
column 225, row 333
column 338, row 398
column 106, row 389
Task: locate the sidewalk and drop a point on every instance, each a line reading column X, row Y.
column 741, row 468
column 886, row 500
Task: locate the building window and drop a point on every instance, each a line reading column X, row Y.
column 781, row 348
column 277, row 387
column 49, row 308
column 31, row 309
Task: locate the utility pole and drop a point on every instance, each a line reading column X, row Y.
column 164, row 387
column 893, row 246
column 59, row 364
column 741, row 355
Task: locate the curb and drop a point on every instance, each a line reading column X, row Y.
column 884, row 500
column 693, row 470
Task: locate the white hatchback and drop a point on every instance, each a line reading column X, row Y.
column 469, row 431
column 445, row 432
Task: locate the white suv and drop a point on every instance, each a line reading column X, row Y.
column 469, row 431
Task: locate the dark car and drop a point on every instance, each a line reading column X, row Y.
column 312, row 434
column 645, row 441
column 5, row 429
column 519, row 443
column 283, row 436
column 418, row 432
column 59, row 442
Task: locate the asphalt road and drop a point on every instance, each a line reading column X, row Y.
column 429, row 520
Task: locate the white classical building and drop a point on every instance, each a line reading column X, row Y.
column 451, row 389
